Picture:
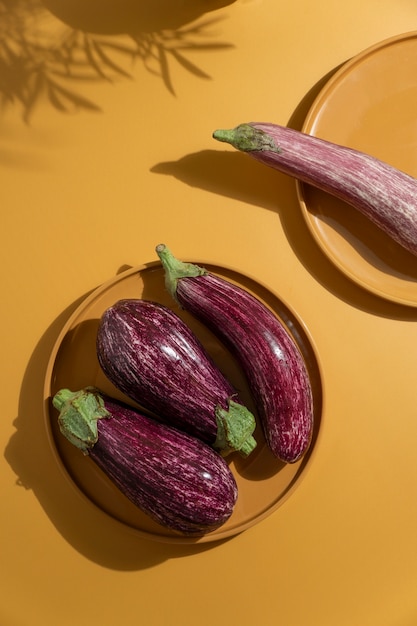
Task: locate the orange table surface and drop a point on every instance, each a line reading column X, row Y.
column 106, row 150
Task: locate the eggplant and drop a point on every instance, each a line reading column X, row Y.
column 176, row 479
column 148, row 352
column 274, row 366
column 384, row 194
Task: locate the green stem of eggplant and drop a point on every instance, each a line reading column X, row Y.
column 176, row 269
column 235, row 426
column 79, row 412
column 246, row 138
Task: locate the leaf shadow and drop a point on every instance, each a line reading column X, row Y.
column 47, row 47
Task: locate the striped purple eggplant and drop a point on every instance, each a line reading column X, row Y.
column 176, row 479
column 274, row 366
column 150, row 354
column 384, row 194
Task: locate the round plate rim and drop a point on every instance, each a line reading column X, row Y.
column 215, row 535
column 219, row 534
column 314, row 110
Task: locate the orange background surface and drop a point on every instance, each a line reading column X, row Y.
column 106, row 151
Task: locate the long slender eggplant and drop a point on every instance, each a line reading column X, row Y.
column 274, row 366
column 176, row 479
column 384, row 194
column 151, row 355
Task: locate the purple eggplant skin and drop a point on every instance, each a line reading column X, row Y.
column 176, row 479
column 384, row 194
column 148, row 352
column 274, row 366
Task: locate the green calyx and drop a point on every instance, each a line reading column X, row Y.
column 176, row 269
column 235, row 426
column 247, row 138
column 79, row 412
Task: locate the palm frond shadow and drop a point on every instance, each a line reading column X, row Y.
column 157, row 50
column 37, row 64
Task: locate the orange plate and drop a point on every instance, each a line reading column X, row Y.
column 263, row 482
column 369, row 104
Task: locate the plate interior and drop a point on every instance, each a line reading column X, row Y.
column 263, row 481
column 370, row 104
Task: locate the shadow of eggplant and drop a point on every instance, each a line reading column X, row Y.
column 47, row 47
